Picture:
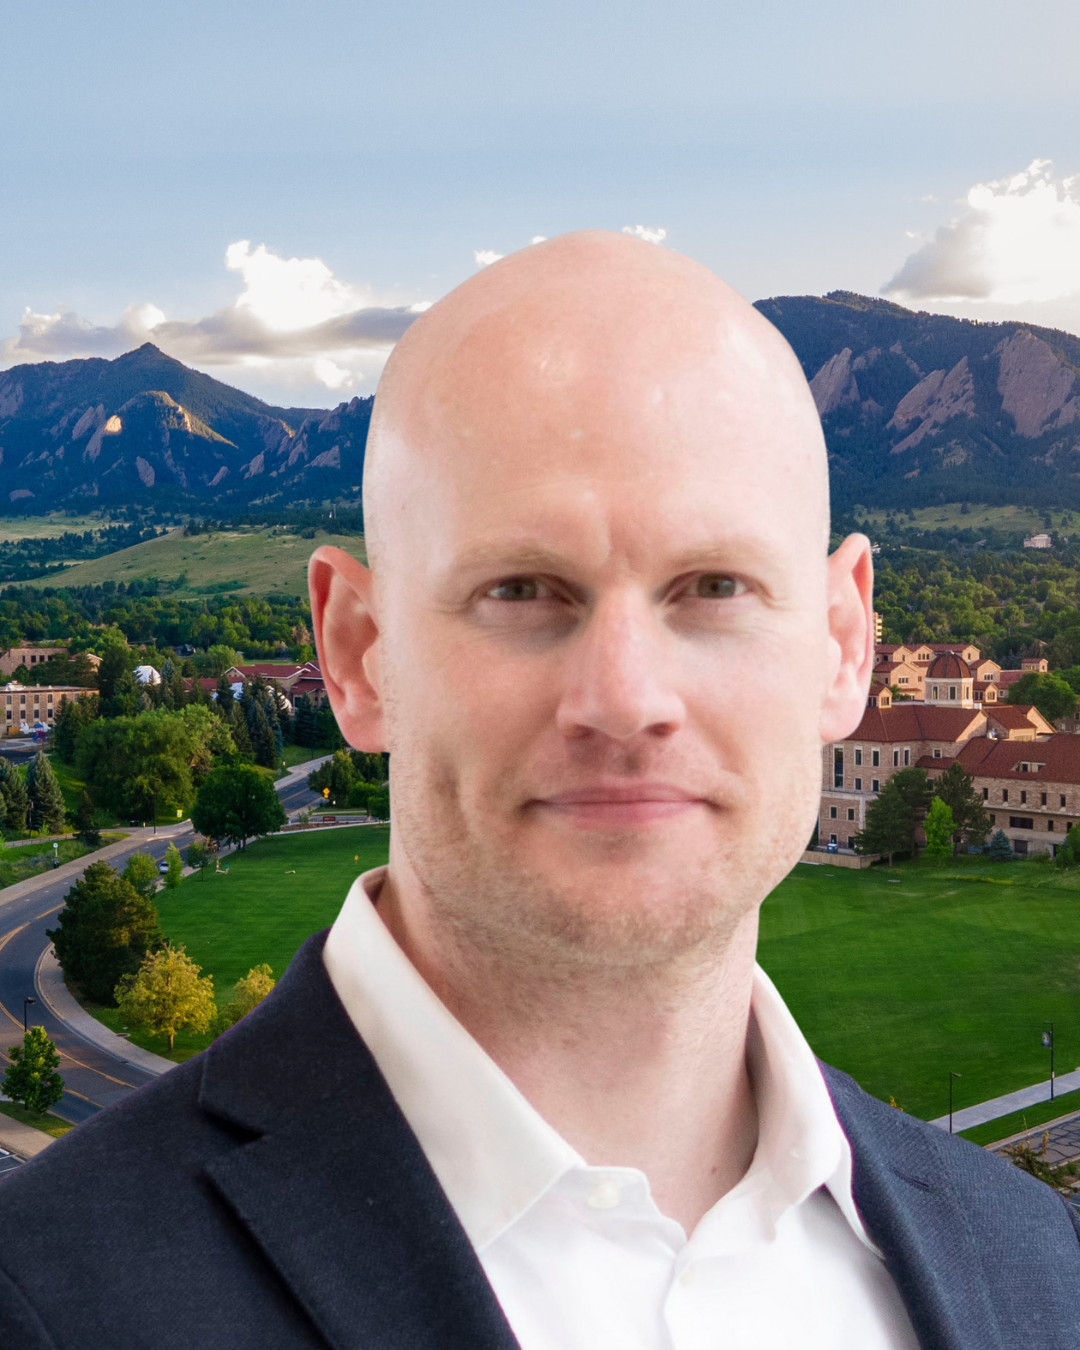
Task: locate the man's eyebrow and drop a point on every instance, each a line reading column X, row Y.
column 735, row 552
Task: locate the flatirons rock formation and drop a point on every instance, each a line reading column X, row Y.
column 922, row 408
column 145, row 427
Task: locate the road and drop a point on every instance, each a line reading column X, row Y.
column 92, row 1077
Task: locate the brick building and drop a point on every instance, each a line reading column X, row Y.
column 29, row 657
column 26, row 704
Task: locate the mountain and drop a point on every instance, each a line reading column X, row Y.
column 146, row 427
column 917, row 409
column 921, row 408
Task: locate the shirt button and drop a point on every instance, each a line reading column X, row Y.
column 604, row 1195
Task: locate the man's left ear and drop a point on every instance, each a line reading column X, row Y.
column 851, row 637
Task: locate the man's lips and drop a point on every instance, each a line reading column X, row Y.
column 612, row 804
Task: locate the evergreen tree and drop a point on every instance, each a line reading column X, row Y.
column 31, row 1077
column 225, row 698
column 1000, row 849
column 939, row 827
column 46, row 799
column 305, row 727
column 262, row 737
column 119, row 690
column 328, row 734
column 913, row 787
column 955, row 788
column 104, row 930
column 69, row 722
column 86, row 826
column 16, row 803
column 888, row 824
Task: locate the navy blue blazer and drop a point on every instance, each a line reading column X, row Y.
column 269, row 1195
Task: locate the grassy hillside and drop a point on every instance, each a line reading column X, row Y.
column 255, row 560
column 949, row 517
column 51, row 525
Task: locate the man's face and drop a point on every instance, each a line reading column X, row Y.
column 602, row 647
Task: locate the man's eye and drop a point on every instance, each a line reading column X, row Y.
column 518, row 588
column 717, row 586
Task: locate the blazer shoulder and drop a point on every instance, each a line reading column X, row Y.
column 20, row 1325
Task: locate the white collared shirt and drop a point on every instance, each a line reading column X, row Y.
column 580, row 1257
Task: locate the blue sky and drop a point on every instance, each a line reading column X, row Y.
column 793, row 148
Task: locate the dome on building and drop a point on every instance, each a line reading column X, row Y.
column 948, row 666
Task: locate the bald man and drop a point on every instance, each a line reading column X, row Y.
column 531, row 1089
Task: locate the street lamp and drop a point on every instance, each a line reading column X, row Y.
column 24, row 1003
column 952, row 1075
column 1048, row 1044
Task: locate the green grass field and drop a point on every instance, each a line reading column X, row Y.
column 949, row 517
column 28, row 860
column 47, row 1122
column 260, row 561
column 51, row 525
column 896, row 976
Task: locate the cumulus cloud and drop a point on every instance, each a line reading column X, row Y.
column 486, row 256
column 1016, row 242
column 293, row 319
column 652, row 234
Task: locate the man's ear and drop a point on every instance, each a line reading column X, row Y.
column 851, row 637
column 346, row 638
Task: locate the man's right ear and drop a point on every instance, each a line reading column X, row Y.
column 346, row 638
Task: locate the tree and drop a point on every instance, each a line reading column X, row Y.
column 141, row 873
column 913, row 785
column 1048, row 692
column 198, row 855
column 219, row 658
column 888, row 825
column 13, row 799
column 1000, row 849
column 248, row 993
column 955, row 788
column 329, row 735
column 262, row 736
column 378, row 804
column 104, row 930
column 86, row 827
column 117, row 686
column 46, row 800
column 69, row 722
column 175, row 863
column 939, row 827
column 167, row 995
column 305, row 725
column 31, row 1077
column 236, row 803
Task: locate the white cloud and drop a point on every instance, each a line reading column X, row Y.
column 1016, row 242
column 293, row 323
column 486, row 256
column 652, row 234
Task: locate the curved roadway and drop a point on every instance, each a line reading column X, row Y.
column 92, row 1077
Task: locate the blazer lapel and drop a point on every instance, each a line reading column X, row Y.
column 333, row 1185
column 911, row 1214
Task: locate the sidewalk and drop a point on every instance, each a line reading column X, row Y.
column 1012, row 1101
column 22, row 1139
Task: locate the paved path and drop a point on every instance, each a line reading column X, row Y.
column 1011, row 1101
column 1062, row 1139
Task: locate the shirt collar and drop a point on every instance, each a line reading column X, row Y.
column 494, row 1154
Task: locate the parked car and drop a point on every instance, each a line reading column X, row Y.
column 163, row 867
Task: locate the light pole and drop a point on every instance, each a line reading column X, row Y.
column 952, row 1075
column 24, row 1003
column 1048, row 1044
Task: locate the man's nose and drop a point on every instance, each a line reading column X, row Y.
column 618, row 679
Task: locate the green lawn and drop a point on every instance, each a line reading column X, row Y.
column 26, row 860
column 899, row 976
column 1004, row 1127
column 295, row 755
column 895, row 975
column 277, row 892
column 47, row 1123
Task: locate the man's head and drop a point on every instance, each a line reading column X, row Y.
column 601, row 638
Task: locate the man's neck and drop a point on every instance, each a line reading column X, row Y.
column 634, row 1068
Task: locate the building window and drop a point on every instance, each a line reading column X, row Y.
column 858, row 784
column 22, row 698
column 50, row 698
column 851, row 813
column 832, row 838
column 902, row 679
column 838, row 766
column 851, row 842
column 1050, row 824
column 935, row 691
column 875, row 758
column 832, row 812
column 937, row 754
column 858, row 754
column 907, row 758
column 986, row 794
column 896, row 759
column 1043, row 800
column 952, row 691
column 1021, row 823
column 875, row 785
column 1004, row 794
column 1061, row 801
column 1023, row 798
